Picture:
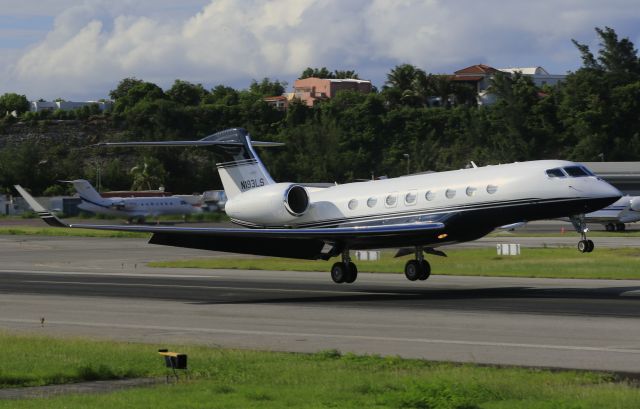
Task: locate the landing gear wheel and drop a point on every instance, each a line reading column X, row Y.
column 620, row 227
column 352, row 273
column 425, row 270
column 342, row 272
column 582, row 248
column 585, row 246
column 412, row 270
column 339, row 273
column 610, row 227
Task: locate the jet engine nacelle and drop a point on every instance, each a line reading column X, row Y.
column 280, row 203
column 634, row 204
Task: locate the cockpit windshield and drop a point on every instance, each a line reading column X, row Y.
column 556, row 173
column 571, row 171
column 576, row 171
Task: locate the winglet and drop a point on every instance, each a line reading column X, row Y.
column 44, row 214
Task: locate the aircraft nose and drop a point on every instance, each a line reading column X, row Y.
column 606, row 194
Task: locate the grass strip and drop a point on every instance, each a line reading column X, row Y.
column 249, row 379
column 604, row 263
column 56, row 231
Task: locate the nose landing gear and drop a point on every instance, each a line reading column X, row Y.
column 584, row 245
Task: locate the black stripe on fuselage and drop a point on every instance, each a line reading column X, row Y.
column 549, row 210
column 94, row 203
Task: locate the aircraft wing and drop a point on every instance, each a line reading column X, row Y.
column 305, row 243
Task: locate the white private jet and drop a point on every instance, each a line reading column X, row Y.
column 614, row 216
column 421, row 212
column 132, row 208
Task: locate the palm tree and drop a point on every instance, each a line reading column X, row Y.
column 148, row 174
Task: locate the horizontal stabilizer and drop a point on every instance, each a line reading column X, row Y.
column 187, row 143
column 233, row 137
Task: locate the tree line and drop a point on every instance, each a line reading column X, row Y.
column 421, row 120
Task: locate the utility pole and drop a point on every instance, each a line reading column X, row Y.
column 408, row 158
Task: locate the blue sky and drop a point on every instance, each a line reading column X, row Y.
column 79, row 50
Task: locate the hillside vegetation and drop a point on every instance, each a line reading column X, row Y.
column 593, row 114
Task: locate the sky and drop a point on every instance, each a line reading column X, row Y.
column 80, row 50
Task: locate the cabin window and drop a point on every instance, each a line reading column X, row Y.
column 491, row 189
column 391, row 200
column 353, row 203
column 470, row 191
column 372, row 201
column 555, row 173
column 450, row 193
column 575, row 171
column 410, row 198
column 429, row 195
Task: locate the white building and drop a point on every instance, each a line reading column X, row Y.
column 38, row 106
column 539, row 75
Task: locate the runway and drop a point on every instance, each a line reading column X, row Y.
column 101, row 288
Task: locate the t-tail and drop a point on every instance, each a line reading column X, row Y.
column 240, row 169
column 87, row 193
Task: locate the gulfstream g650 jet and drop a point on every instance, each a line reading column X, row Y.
column 420, row 212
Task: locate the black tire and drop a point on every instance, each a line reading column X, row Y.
column 610, row 227
column 412, row 270
column 583, row 245
column 590, row 246
column 339, row 273
column 620, row 227
column 352, row 273
column 425, row 270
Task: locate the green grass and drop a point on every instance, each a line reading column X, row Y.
column 250, row 379
column 603, row 263
column 56, row 231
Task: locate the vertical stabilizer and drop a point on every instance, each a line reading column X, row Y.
column 87, row 192
column 241, row 169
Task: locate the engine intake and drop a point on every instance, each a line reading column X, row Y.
column 276, row 204
column 296, row 200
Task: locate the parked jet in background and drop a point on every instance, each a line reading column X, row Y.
column 132, row 208
column 421, row 211
column 614, row 216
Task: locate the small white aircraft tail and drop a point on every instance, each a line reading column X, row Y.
column 87, row 192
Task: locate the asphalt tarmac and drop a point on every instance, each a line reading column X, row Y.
column 101, row 288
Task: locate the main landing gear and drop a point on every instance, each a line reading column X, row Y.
column 418, row 269
column 615, row 227
column 345, row 271
column 584, row 245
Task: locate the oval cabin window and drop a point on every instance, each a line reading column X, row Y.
column 450, row 193
column 491, row 189
column 372, row 201
column 410, row 198
column 390, row 200
column 353, row 203
column 429, row 195
column 471, row 191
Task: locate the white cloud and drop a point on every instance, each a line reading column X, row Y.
column 94, row 44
